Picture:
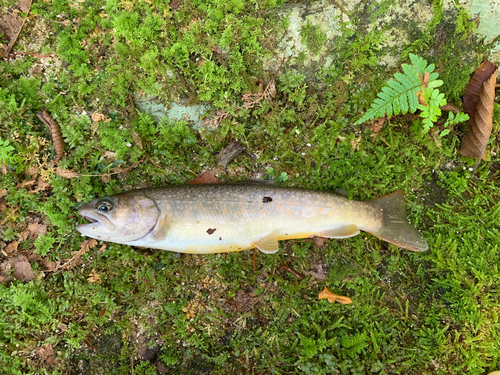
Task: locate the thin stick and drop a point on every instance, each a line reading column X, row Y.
column 12, row 55
column 8, row 216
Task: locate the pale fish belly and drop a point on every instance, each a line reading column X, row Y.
column 233, row 218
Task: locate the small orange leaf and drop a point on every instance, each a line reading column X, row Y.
column 332, row 297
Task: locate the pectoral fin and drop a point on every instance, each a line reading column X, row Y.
column 343, row 232
column 268, row 244
column 161, row 232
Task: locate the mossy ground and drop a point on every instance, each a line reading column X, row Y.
column 131, row 310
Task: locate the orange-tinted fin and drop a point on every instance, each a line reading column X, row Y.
column 395, row 227
column 268, row 244
column 161, row 232
column 344, row 232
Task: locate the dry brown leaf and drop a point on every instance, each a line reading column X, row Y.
column 319, row 241
column 20, row 267
column 42, row 186
column 66, row 173
column 229, row 153
column 24, row 184
column 205, row 178
column 55, row 131
column 94, row 277
column 70, row 263
column 3, row 193
column 474, row 87
column 136, row 138
column 24, row 235
column 320, row 273
column 11, row 24
column 34, row 258
column 109, row 155
column 476, row 139
column 46, row 355
column 96, row 117
column 332, row 297
column 37, row 229
column 11, row 249
column 50, row 265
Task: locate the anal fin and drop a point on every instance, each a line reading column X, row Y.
column 343, row 232
column 268, row 244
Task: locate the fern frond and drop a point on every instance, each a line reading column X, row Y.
column 402, row 94
column 397, row 97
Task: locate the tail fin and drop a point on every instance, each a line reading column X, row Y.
column 395, row 227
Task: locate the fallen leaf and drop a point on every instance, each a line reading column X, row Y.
column 174, row 5
column 11, row 249
column 62, row 327
column 476, row 139
column 109, row 155
column 474, row 87
column 229, row 153
column 37, row 229
column 319, row 241
column 332, row 297
column 96, row 117
column 48, row 264
column 320, row 273
column 42, row 186
column 3, row 193
column 11, row 24
column 20, row 266
column 34, row 257
column 24, row 184
column 55, row 131
column 66, row 173
column 24, row 235
column 94, row 277
column 205, row 178
column 85, row 246
column 136, row 138
column 46, row 355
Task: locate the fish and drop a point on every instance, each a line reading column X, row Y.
column 215, row 218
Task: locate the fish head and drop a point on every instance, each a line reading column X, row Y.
column 119, row 218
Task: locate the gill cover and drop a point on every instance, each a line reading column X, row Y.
column 128, row 217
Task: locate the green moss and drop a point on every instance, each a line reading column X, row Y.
column 434, row 312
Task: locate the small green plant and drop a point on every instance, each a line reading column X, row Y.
column 7, row 155
column 415, row 88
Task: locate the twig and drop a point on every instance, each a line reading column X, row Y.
column 8, row 216
column 254, row 252
column 284, row 267
column 112, row 173
column 65, row 22
column 12, row 55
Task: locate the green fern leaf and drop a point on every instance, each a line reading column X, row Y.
column 400, row 95
column 397, row 97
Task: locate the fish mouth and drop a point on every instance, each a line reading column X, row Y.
column 97, row 222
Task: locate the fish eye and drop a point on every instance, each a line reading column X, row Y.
column 104, row 207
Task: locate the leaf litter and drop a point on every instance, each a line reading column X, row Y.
column 479, row 98
column 332, row 297
column 12, row 23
